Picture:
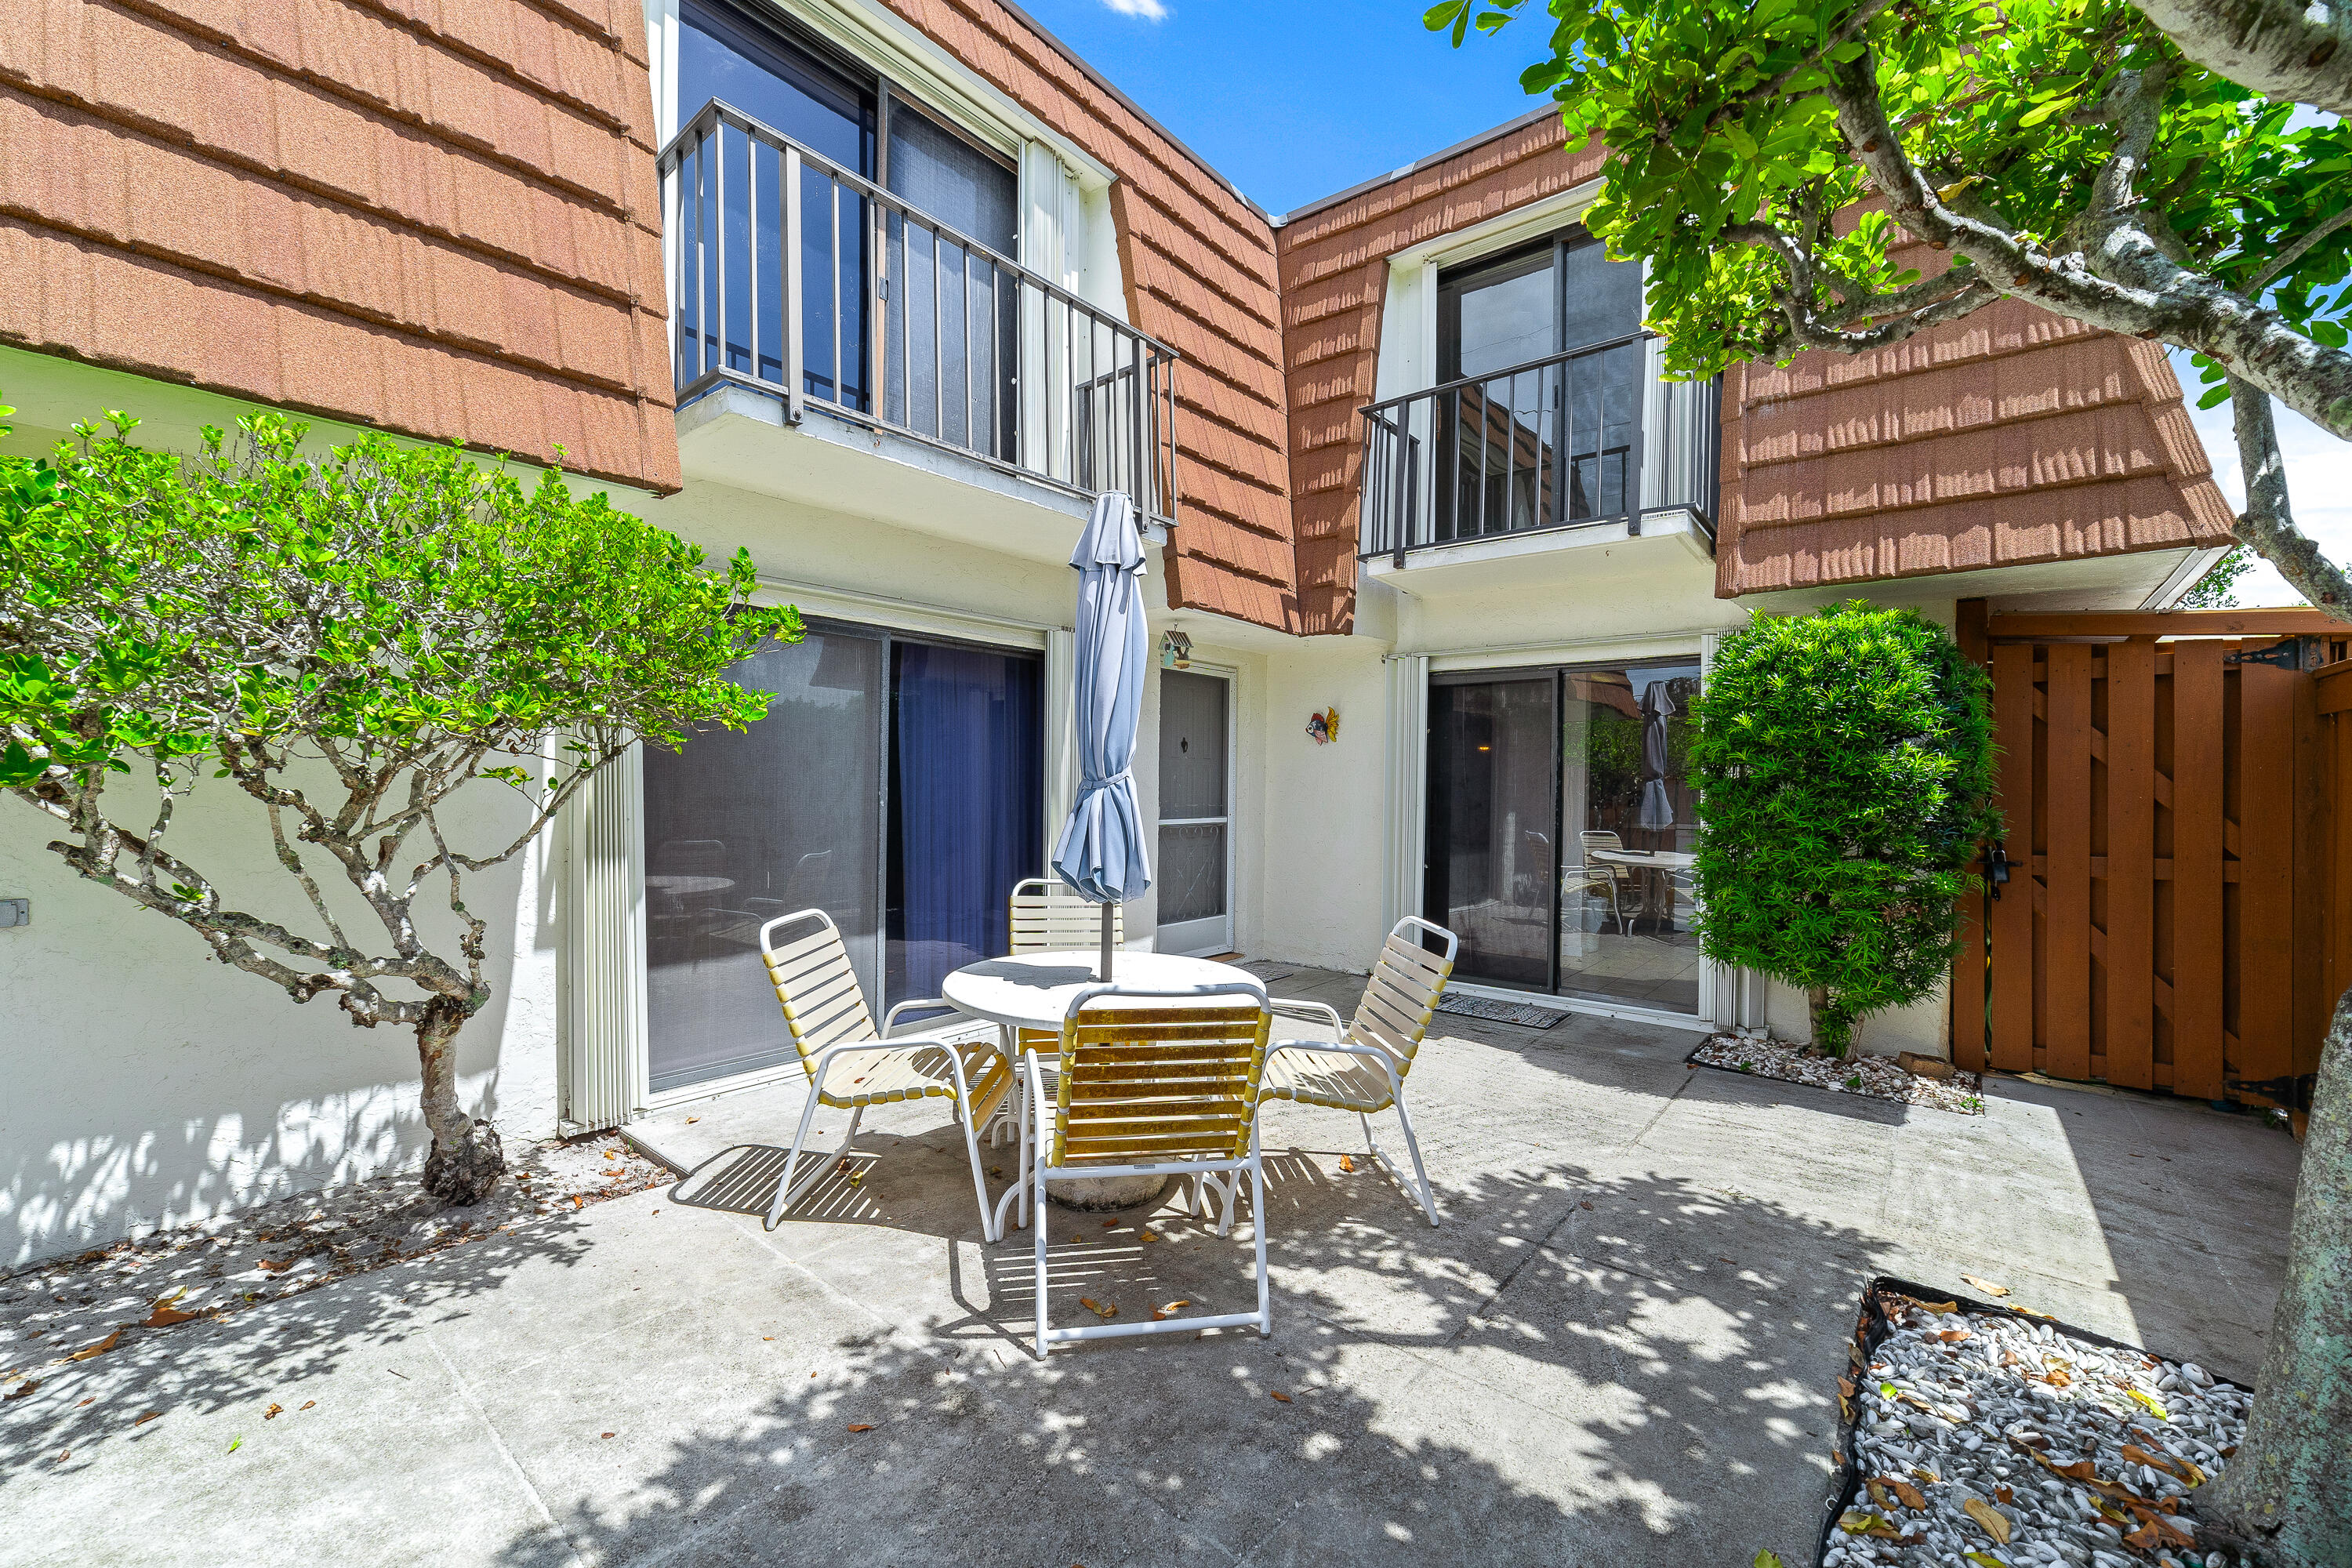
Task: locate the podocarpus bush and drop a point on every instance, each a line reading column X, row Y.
column 374, row 645
column 1844, row 762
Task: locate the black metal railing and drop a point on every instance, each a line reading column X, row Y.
column 793, row 276
column 1582, row 438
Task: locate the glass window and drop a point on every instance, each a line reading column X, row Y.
column 743, row 827
column 897, row 785
column 971, row 191
column 724, row 54
column 967, row 805
column 1591, row 759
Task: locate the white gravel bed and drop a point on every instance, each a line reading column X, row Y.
column 1877, row 1078
column 112, row 1295
column 2001, row 1442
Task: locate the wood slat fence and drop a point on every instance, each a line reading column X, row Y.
column 2175, row 917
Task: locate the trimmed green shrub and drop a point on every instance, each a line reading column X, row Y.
column 1844, row 762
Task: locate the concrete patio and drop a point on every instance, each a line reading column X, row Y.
column 1620, row 1349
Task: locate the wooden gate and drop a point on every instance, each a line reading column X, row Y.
column 2165, row 923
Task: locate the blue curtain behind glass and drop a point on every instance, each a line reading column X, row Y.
column 966, row 803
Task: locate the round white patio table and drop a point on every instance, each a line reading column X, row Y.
column 1655, row 861
column 1033, row 990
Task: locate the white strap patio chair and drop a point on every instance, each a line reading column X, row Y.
column 1365, row 1068
column 850, row 1066
column 1622, row 883
column 1045, row 915
column 1150, row 1084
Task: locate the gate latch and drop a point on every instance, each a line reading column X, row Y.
column 1996, row 869
column 2295, row 653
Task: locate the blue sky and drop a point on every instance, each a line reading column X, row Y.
column 1291, row 102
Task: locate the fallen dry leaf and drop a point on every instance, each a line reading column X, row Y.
column 575, row 1200
column 92, row 1400
column 1110, row 1224
column 1346, row 1163
column 273, row 1413
column 1991, row 1523
column 1584, row 1205
column 2002, row 1494
column 164, row 1317
column 862, row 1426
column 22, row 1389
column 1911, row 1496
column 1149, row 1236
column 1158, row 1313
column 275, row 1265
column 64, row 1455
column 692, row 1119
column 1098, row 1309
column 146, row 1418
column 101, row 1348
column 1878, row 1493
column 612, row 1434
column 611, row 1155
column 1279, row 1395
column 309, row 1403
column 1987, row 1286
column 1953, row 1336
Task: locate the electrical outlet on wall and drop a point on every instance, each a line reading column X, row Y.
column 15, row 912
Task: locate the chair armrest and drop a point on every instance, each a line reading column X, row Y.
column 918, row 1005
column 1312, row 1009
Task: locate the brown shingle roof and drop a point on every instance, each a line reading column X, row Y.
column 437, row 219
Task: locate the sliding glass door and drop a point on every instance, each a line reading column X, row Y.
column 1560, row 829
column 895, row 782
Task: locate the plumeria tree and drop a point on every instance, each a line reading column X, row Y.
column 2170, row 169
column 372, row 645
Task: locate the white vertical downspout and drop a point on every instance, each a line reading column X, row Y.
column 1729, row 997
column 606, row 1072
column 1408, row 769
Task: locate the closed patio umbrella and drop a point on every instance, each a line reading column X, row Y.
column 1100, row 853
column 1657, row 810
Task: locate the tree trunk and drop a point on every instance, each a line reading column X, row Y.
column 466, row 1159
column 2288, row 1488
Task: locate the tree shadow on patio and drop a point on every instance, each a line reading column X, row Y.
column 260, row 1353
column 1576, row 1369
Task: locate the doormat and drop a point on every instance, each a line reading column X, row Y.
column 1952, row 1407
column 1269, row 972
column 1518, row 1013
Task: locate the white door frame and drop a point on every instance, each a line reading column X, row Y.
column 1213, row 934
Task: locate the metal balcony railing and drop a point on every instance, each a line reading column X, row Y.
column 796, row 278
column 1587, row 436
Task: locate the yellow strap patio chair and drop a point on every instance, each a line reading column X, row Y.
column 1364, row 1070
column 851, row 1067
column 1152, row 1083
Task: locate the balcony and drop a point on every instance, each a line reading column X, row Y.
column 1586, row 446
column 797, row 286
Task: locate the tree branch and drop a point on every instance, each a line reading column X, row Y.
column 2126, row 284
column 2268, row 523
column 2284, row 49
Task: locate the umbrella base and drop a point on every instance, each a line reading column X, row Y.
column 1098, row 1194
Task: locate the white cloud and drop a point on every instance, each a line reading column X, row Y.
column 2318, row 484
column 1148, row 10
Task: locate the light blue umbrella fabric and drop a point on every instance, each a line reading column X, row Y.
column 1101, row 850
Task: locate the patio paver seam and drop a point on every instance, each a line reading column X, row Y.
column 490, row 1427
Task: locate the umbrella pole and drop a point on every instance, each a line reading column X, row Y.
column 1105, row 971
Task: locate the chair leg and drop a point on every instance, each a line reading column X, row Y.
column 1257, row 1223
column 988, row 1228
column 1413, row 1147
column 787, row 1190
column 1040, row 1222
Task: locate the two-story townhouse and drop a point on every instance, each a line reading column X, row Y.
column 886, row 291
